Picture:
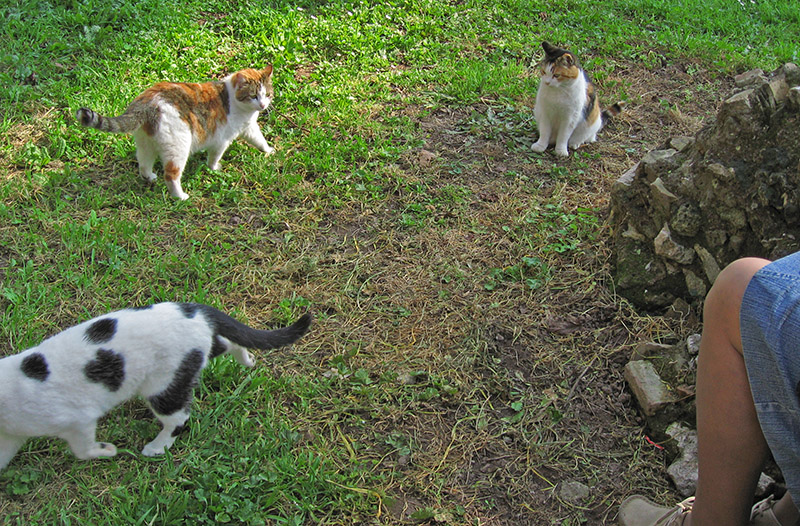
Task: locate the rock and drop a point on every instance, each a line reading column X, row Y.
column 754, row 76
column 694, row 205
column 681, row 143
column 694, row 285
column 686, row 220
column 683, row 471
column 710, row 265
column 668, row 248
column 765, row 485
column 573, row 492
column 646, row 385
column 693, row 344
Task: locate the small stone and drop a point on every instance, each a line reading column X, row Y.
column 647, row 387
column 693, row 344
column 765, row 485
column 686, row 220
column 681, row 143
column 668, row 248
column 694, row 284
column 710, row 265
column 573, row 491
column 646, row 350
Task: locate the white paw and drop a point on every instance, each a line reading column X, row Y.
column 149, row 177
column 539, row 147
column 151, row 450
column 248, row 360
column 269, row 150
column 562, row 152
column 104, row 449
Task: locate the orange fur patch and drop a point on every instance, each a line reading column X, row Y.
column 171, row 171
column 201, row 106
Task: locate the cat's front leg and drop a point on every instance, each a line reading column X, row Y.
column 9, row 445
column 253, row 136
column 562, row 141
column 544, row 138
column 215, row 154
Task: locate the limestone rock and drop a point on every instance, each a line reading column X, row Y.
column 683, row 471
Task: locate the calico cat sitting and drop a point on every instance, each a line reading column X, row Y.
column 173, row 120
column 567, row 111
column 65, row 384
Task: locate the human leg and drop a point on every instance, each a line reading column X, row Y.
column 731, row 447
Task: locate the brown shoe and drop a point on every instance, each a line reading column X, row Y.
column 638, row 511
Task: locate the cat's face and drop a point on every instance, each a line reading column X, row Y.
column 253, row 88
column 558, row 66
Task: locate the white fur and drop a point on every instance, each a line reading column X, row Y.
column 559, row 114
column 152, row 342
column 174, row 140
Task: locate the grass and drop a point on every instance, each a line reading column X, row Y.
column 466, row 330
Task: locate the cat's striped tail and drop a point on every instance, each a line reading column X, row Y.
column 125, row 123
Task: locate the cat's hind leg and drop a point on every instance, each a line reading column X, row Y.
column 146, row 155
column 83, row 444
column 173, row 425
column 173, row 170
column 241, row 355
column 9, row 445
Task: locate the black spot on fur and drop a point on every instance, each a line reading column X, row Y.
column 189, row 309
column 108, row 368
column 101, row 331
column 35, row 366
column 217, row 347
column 143, row 307
column 178, row 393
column 178, row 430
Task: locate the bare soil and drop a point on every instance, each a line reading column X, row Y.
column 558, row 349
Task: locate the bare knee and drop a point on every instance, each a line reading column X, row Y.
column 724, row 300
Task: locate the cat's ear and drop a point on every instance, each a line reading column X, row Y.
column 267, row 71
column 549, row 49
column 569, row 59
column 237, row 80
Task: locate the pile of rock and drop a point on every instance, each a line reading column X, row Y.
column 695, row 204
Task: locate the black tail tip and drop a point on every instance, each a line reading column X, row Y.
column 84, row 116
column 302, row 324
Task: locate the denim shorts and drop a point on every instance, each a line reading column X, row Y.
column 770, row 330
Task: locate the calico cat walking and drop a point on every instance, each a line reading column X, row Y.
column 65, row 384
column 174, row 120
column 567, row 111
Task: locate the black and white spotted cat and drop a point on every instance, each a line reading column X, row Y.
column 65, row 384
